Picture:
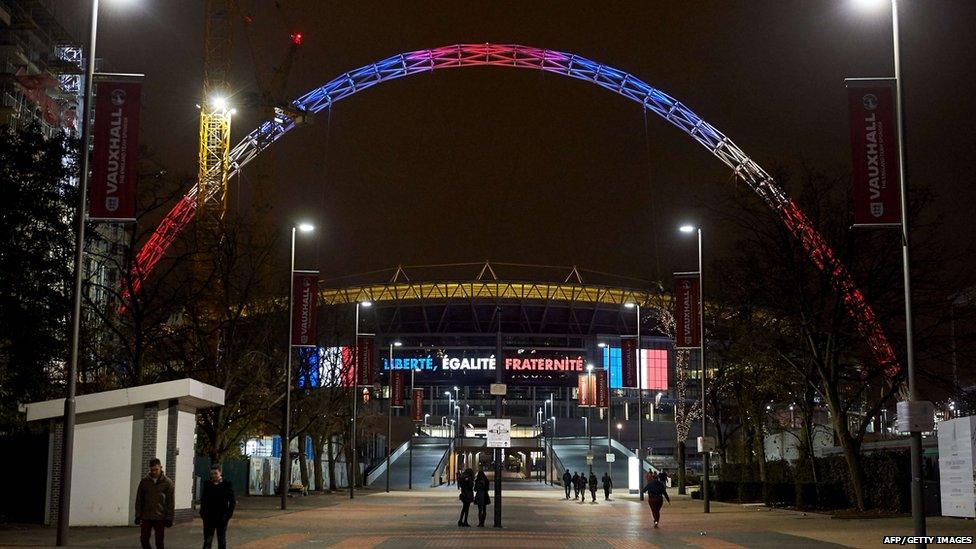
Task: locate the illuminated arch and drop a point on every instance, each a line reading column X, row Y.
column 574, row 66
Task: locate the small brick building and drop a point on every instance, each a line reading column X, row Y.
column 116, row 434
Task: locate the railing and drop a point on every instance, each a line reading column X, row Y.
column 381, row 467
column 436, row 477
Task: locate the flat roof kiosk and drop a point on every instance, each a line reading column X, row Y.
column 116, row 434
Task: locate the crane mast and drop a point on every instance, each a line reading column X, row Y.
column 215, row 113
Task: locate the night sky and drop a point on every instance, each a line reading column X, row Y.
column 519, row 166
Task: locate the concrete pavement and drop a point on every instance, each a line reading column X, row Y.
column 534, row 516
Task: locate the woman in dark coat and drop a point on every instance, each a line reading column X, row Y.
column 481, row 498
column 657, row 492
column 466, row 485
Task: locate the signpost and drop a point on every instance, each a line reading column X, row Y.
column 957, row 453
column 499, row 433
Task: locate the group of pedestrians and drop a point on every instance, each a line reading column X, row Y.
column 474, row 489
column 656, row 487
column 579, row 483
column 155, row 506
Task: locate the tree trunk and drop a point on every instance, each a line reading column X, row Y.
column 285, row 456
column 318, row 481
column 851, row 447
column 760, row 446
column 852, row 455
column 681, row 467
column 333, row 485
column 303, row 466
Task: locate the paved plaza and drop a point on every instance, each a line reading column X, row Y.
column 534, row 516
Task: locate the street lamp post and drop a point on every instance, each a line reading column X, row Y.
column 706, row 451
column 547, row 440
column 589, row 419
column 286, row 443
column 413, row 430
column 918, row 504
column 450, row 412
column 355, row 402
column 389, row 417
column 640, row 396
column 68, row 429
column 606, row 365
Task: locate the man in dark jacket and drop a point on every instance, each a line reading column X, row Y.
column 576, row 485
column 567, row 481
column 607, row 486
column 592, row 486
column 216, row 508
column 155, row 504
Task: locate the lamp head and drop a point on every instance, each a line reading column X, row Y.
column 868, row 4
column 219, row 103
column 306, row 227
column 687, row 228
column 366, row 303
column 601, row 344
column 397, row 343
column 630, row 304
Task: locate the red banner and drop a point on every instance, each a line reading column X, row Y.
column 628, row 362
column 304, row 296
column 115, row 152
column 397, row 384
column 364, row 360
column 687, row 329
column 874, row 148
column 417, row 405
column 602, row 389
column 586, row 390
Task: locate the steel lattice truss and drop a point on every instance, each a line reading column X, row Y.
column 574, row 66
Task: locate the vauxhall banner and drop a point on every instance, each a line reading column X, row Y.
column 364, row 360
column 397, row 384
column 417, row 405
column 874, row 148
column 628, row 362
column 687, row 329
column 602, row 389
column 112, row 189
column 304, row 295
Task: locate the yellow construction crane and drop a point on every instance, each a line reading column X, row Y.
column 215, row 112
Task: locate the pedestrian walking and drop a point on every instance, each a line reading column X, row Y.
column 567, row 481
column 607, row 486
column 576, row 485
column 592, row 483
column 217, row 505
column 581, row 486
column 466, row 485
column 663, row 477
column 656, row 494
column 154, row 505
column 481, row 498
